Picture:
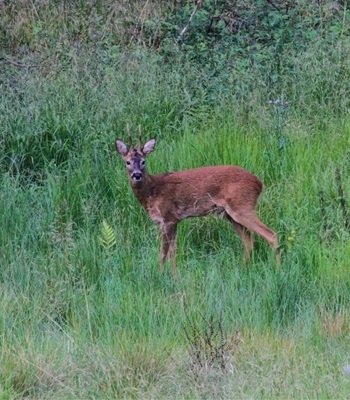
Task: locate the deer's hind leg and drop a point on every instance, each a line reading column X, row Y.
column 250, row 221
column 245, row 235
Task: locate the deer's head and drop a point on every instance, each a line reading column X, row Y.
column 135, row 157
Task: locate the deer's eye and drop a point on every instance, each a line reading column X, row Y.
column 142, row 162
column 128, row 163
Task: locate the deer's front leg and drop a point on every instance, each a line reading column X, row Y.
column 168, row 246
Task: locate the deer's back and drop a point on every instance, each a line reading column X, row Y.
column 210, row 179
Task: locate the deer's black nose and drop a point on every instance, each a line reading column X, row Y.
column 137, row 176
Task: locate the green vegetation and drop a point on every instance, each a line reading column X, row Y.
column 85, row 312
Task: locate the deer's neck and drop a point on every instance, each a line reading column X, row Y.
column 143, row 190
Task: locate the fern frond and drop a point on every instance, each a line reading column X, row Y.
column 107, row 238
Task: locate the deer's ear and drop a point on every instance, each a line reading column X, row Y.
column 121, row 147
column 149, row 146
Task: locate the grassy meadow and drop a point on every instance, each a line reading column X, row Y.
column 84, row 310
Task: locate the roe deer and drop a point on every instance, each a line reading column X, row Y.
column 173, row 196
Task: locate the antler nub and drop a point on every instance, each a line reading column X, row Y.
column 129, row 136
column 139, row 146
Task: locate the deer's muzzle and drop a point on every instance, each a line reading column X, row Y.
column 136, row 176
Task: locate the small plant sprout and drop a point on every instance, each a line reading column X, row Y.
column 281, row 108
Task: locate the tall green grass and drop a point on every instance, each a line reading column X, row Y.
column 79, row 317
